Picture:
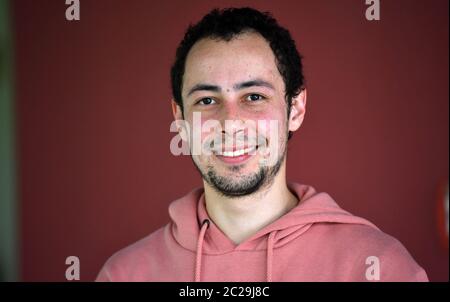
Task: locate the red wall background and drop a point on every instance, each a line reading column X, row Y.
column 93, row 111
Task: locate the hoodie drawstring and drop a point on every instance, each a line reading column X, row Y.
column 201, row 237
column 198, row 261
column 270, row 243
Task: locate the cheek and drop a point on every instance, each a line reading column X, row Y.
column 271, row 125
column 203, row 125
column 204, row 135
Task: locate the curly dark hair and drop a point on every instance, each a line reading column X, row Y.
column 227, row 23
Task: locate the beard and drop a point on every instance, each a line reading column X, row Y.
column 233, row 187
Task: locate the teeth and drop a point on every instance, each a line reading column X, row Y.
column 237, row 152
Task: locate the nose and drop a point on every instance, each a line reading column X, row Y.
column 230, row 109
column 234, row 125
column 231, row 118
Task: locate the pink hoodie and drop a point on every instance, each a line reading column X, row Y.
column 315, row 241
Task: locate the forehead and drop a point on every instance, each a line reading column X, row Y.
column 224, row 63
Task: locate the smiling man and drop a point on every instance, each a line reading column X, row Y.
column 240, row 74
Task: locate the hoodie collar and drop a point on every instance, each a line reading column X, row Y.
column 189, row 212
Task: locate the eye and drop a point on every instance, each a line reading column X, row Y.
column 206, row 101
column 254, row 97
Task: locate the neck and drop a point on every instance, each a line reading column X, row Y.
column 241, row 217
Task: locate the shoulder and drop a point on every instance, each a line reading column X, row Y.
column 365, row 245
column 129, row 260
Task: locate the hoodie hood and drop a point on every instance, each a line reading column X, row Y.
column 193, row 229
column 188, row 213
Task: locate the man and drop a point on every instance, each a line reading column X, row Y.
column 248, row 223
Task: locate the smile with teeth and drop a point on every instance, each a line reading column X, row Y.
column 237, row 153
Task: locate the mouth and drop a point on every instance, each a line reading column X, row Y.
column 237, row 156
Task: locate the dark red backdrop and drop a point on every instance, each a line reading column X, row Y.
column 93, row 117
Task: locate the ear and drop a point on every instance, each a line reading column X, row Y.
column 176, row 111
column 178, row 117
column 298, row 110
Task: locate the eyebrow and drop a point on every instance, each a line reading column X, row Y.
column 238, row 86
